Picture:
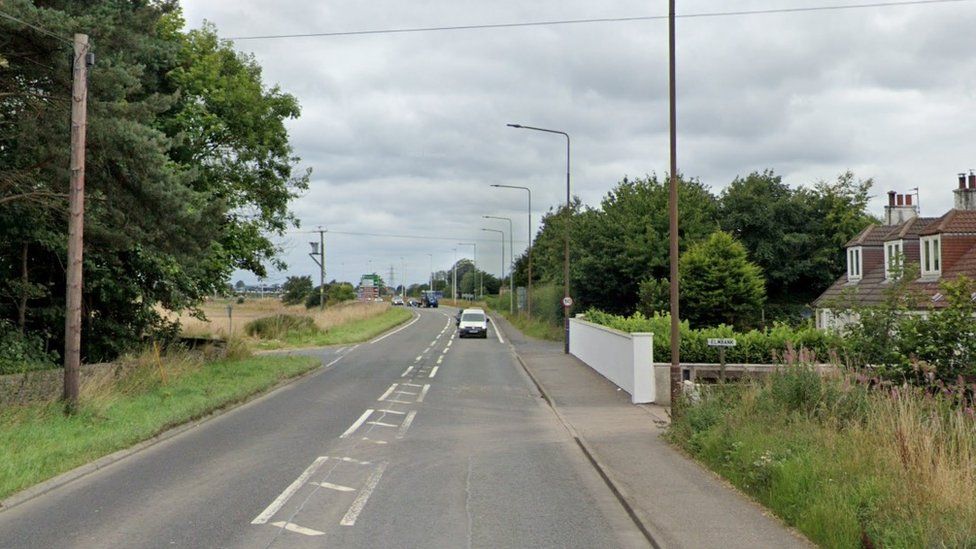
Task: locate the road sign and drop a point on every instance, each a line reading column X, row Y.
column 567, row 301
column 721, row 342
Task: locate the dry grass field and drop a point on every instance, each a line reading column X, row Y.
column 218, row 325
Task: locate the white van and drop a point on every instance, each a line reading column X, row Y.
column 473, row 322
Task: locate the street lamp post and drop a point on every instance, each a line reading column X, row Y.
column 403, row 279
column 501, row 234
column 567, row 300
column 431, row 287
column 675, row 370
column 511, row 251
column 528, row 291
column 454, row 278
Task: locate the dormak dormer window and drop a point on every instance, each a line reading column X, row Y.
column 894, row 258
column 854, row 264
column 931, row 255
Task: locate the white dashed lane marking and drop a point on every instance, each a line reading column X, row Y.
column 291, row 527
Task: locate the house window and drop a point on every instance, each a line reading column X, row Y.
column 894, row 258
column 932, row 255
column 854, row 264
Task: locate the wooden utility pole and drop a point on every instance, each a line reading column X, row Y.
column 675, row 369
column 76, row 223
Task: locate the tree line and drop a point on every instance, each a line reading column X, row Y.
column 759, row 250
column 189, row 169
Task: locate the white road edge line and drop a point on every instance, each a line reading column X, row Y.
column 406, row 424
column 423, row 393
column 388, row 392
column 382, row 337
column 360, row 502
column 289, row 492
column 359, row 423
column 407, row 371
column 498, row 334
column 292, row 527
column 434, row 371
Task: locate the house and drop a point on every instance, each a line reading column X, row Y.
column 938, row 248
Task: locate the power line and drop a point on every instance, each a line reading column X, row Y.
column 38, row 29
column 401, row 235
column 556, row 22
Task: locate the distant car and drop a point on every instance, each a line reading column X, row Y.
column 474, row 323
column 413, row 302
column 430, row 301
column 397, row 301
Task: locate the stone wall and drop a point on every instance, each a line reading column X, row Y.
column 44, row 385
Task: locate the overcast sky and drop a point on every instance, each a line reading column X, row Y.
column 405, row 132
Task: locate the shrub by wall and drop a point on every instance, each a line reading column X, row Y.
column 768, row 346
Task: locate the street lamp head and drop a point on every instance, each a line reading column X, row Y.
column 514, row 125
column 495, row 185
column 315, row 247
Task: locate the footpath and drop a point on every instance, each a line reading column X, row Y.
column 676, row 501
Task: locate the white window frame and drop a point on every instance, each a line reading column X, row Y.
column 894, row 256
column 931, row 255
column 855, row 263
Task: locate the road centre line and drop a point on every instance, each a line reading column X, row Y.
column 388, row 392
column 434, row 371
column 418, row 358
column 423, row 393
column 382, row 337
column 359, row 422
column 451, row 342
column 289, row 492
column 292, row 527
column 425, row 350
column 440, row 360
column 360, row 502
column 406, row 424
column 407, row 371
column 336, row 487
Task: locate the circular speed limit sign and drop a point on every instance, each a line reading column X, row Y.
column 567, row 301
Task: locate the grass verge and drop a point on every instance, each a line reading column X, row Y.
column 847, row 465
column 533, row 327
column 38, row 441
column 351, row 331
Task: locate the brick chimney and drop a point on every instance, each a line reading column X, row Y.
column 966, row 194
column 899, row 208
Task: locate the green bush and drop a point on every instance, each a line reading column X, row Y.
column 280, row 326
column 772, row 345
column 22, row 353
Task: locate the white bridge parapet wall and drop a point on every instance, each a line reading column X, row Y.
column 625, row 359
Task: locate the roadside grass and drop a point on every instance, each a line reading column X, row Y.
column 353, row 330
column 846, row 465
column 149, row 396
column 535, row 327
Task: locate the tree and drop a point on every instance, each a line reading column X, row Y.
column 296, row 289
column 719, row 285
column 795, row 235
column 189, row 170
column 239, row 286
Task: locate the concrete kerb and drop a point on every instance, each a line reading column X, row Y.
column 616, row 488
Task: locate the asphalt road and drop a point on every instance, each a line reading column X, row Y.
column 417, row 439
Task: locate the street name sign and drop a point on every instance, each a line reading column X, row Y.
column 721, row 342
